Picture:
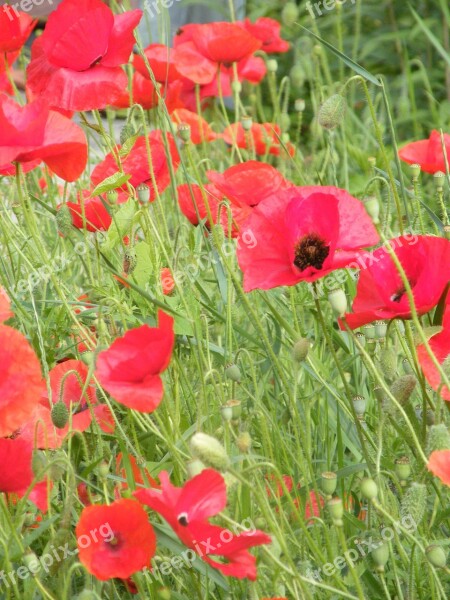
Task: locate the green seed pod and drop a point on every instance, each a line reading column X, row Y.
column 164, row 594
column 336, row 508
column 369, row 489
column 415, row 172
column 32, row 563
column 407, row 367
column 112, row 196
column 126, row 133
column 64, row 219
column 60, row 415
column 300, row 350
column 414, row 502
column 369, row 331
column 143, row 193
column 388, row 363
column 332, row 112
column 436, row 556
column 328, row 483
column 380, row 329
column 285, row 122
column 247, row 123
column 438, row 438
column 184, row 132
column 233, row 372
column 403, row 387
column 210, row 451
column 299, row 105
column 403, row 469
column 297, row 77
column 439, row 179
column 231, row 410
column 338, row 302
column 359, row 404
column 129, row 261
column 380, row 556
column 289, row 14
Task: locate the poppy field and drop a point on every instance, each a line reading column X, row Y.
column 224, row 302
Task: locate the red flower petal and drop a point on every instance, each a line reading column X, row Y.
column 439, row 465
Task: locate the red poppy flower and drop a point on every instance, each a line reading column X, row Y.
column 439, row 465
column 5, row 306
column 248, row 183
column 5, row 84
column 136, row 164
column 140, row 476
column 268, row 31
column 76, row 63
column 89, row 212
column 312, row 505
column 33, row 133
column 219, row 42
column 440, row 345
column 15, row 28
column 68, row 381
column 162, row 61
column 130, row 369
column 427, row 153
column 263, row 138
column 167, row 281
column 200, row 129
column 21, row 383
column 187, row 511
column 143, row 93
column 115, row 540
column 380, row 293
column 302, row 234
column 196, row 208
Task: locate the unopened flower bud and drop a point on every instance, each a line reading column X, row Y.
column 436, row 556
column 300, row 350
column 414, row 502
column 388, row 363
column 194, row 467
column 210, row 451
column 438, row 438
column 285, row 121
column 289, row 14
column 338, row 301
column 60, row 415
column 31, row 562
column 272, row 65
column 297, row 77
column 332, row 112
column 103, row 470
column 299, row 105
column 143, row 193
column 164, row 593
column 369, row 489
column 126, row 133
column 64, row 219
column 328, row 482
column 403, row 388
column 233, row 372
column 236, row 86
column 244, row 442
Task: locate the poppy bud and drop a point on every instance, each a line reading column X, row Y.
column 415, row 171
column 407, row 367
column 403, row 387
column 64, row 219
column 244, row 442
column 289, row 14
column 210, row 451
column 184, row 132
column 236, row 87
column 285, row 121
column 233, row 372
column 359, row 404
column 143, row 193
column 60, row 415
column 328, row 483
column 163, row 594
column 336, row 508
column 439, row 178
column 338, row 302
column 438, row 438
column 369, row 489
column 372, row 207
column 300, row 350
column 126, row 133
column 403, row 469
column 88, row 358
column 388, row 363
column 299, row 105
column 194, row 467
column 129, row 261
column 380, row 556
column 297, row 76
column 272, row 65
column 414, row 502
column 57, row 470
column 39, row 463
column 436, row 556
column 31, row 561
column 247, row 123
column 103, row 470
column 231, row 410
column 332, row 112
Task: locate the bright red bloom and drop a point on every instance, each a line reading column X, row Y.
column 264, row 138
column 439, row 465
column 143, row 93
column 312, row 505
column 380, row 293
column 440, row 345
column 76, row 63
column 33, row 133
column 302, row 234
column 140, row 476
column 162, row 61
column 67, row 381
column 115, row 540
column 5, row 306
column 130, row 369
column 187, row 510
column 200, row 129
column 268, row 31
column 167, row 281
column 136, row 164
column 219, row 42
column 15, row 28
column 248, row 183
column 21, row 383
column 96, row 215
column 427, row 153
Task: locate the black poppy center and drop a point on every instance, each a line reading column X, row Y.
column 311, row 251
column 115, row 543
column 96, row 61
column 183, row 520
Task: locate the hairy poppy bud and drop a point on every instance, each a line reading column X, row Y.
column 369, row 489
column 403, row 387
column 328, row 483
column 184, row 132
column 438, row 438
column 285, row 121
column 32, row 563
column 332, row 112
column 388, row 363
column 87, row 595
column 338, row 302
column 210, row 451
column 436, row 556
column 60, row 415
column 300, row 350
column 164, row 594
column 126, row 133
column 129, row 261
column 244, row 442
column 143, row 193
column 233, row 372
column 39, row 463
column 414, row 502
column 289, row 14
column 297, row 76
column 372, row 207
column 64, row 219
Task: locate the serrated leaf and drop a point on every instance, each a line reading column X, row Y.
column 128, row 146
column 111, row 183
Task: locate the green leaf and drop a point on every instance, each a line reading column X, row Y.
column 110, row 183
column 430, row 35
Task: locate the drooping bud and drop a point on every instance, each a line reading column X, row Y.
column 328, row 483
column 143, row 193
column 301, row 349
column 403, row 387
column 126, row 133
column 388, row 363
column 64, row 219
column 436, row 556
column 438, row 438
column 332, row 112
column 59, row 415
column 338, row 302
column 210, row 451
column 369, row 489
column 233, row 372
column 289, row 14
column 414, row 502
column 236, row 86
column 372, row 207
column 285, row 121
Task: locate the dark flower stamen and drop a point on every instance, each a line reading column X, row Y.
column 183, row 520
column 311, row 251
